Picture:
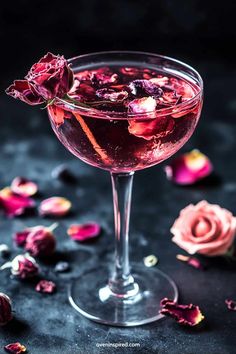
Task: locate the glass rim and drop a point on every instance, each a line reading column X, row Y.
column 119, row 115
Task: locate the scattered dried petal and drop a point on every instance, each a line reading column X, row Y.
column 151, row 128
column 15, row 348
column 231, row 304
column 83, row 232
column 24, row 187
column 46, row 287
column 20, row 237
column 24, row 267
column 55, row 206
column 189, row 168
column 112, row 95
column 14, row 204
column 189, row 315
column 192, row 261
column 40, row 241
column 150, row 261
column 5, row 309
column 141, row 88
column 62, row 267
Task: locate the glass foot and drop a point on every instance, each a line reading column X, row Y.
column 91, row 296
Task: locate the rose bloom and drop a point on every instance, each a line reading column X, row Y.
column 204, row 228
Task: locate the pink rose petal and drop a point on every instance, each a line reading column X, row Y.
column 46, row 287
column 189, row 168
column 84, row 232
column 142, row 105
column 24, row 187
column 15, row 348
column 189, row 315
column 14, row 204
column 192, row 261
column 55, row 206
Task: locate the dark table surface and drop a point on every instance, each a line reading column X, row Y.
column 47, row 323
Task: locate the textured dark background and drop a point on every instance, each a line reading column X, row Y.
column 198, row 32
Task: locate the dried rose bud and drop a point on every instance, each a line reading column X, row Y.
column 189, row 315
column 14, row 204
column 55, row 206
column 231, row 304
column 189, row 168
column 5, row 309
column 24, row 187
column 192, row 261
column 24, row 267
column 40, row 241
column 15, row 348
column 46, row 286
column 83, row 232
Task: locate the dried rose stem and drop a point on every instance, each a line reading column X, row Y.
column 91, row 138
column 52, row 227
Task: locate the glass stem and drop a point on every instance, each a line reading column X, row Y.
column 121, row 282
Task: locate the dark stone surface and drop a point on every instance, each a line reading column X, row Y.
column 48, row 324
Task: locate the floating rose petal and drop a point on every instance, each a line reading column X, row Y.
column 103, row 78
column 161, row 80
column 231, row 304
column 151, row 128
column 5, row 309
column 189, row 315
column 170, row 98
column 46, row 287
column 142, row 105
column 112, row 95
column 150, row 261
column 145, row 87
column 24, row 187
column 130, row 71
column 15, row 348
column 40, row 241
column 83, row 232
column 24, row 267
column 189, row 168
column 14, row 204
column 55, row 206
column 192, row 261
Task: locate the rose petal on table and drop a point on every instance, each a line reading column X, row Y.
column 24, row 267
column 192, row 261
column 15, row 348
column 14, row 204
column 189, row 315
column 84, row 232
column 5, row 309
column 46, row 287
column 231, row 304
column 189, row 168
column 55, row 206
column 24, row 187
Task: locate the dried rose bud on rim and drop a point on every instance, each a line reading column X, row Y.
column 49, row 78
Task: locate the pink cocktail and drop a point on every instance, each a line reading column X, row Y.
column 125, row 112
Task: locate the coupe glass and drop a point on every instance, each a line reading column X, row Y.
column 124, row 295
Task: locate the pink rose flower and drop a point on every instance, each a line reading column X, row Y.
column 49, row 78
column 204, row 228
